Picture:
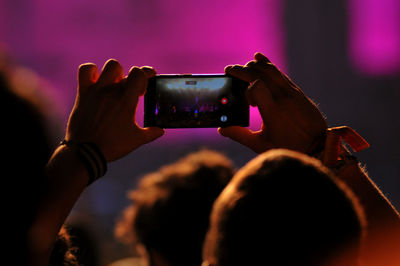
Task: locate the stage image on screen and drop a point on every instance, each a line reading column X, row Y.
column 195, row 102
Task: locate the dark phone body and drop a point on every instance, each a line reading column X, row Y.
column 196, row 101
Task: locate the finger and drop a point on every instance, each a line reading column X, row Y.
column 148, row 71
column 242, row 73
column 271, row 71
column 261, row 96
column 112, row 73
column 252, row 72
column 261, row 58
column 249, row 98
column 151, row 133
column 245, row 137
column 228, row 68
column 136, row 83
column 274, row 78
column 250, row 63
column 87, row 76
column 287, row 86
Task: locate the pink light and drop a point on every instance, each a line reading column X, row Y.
column 374, row 36
column 205, row 36
column 176, row 36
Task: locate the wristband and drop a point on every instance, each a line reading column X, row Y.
column 334, row 149
column 329, row 148
column 91, row 157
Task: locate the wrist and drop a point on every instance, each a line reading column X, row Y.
column 344, row 161
column 317, row 146
column 90, row 157
column 65, row 162
column 334, row 153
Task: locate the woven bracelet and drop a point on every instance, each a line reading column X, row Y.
column 92, row 158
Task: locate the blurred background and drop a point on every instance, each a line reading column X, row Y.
column 344, row 54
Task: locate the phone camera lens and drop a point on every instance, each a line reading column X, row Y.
column 224, row 118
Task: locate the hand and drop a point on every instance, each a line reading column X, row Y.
column 105, row 108
column 290, row 119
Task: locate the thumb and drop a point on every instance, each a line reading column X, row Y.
column 151, row 133
column 136, row 83
column 244, row 136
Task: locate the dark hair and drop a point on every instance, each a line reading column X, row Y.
column 283, row 208
column 27, row 146
column 63, row 253
column 171, row 208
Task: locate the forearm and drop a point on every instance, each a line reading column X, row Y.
column 378, row 209
column 381, row 243
column 102, row 127
column 67, row 178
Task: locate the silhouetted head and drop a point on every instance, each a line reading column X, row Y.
column 171, row 207
column 27, row 143
column 283, row 208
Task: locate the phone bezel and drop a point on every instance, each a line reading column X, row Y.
column 241, row 117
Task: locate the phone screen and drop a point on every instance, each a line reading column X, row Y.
column 190, row 101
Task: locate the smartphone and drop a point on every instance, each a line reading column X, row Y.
column 196, row 101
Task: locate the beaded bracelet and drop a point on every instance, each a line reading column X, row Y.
column 92, row 158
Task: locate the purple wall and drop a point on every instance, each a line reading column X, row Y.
column 54, row 37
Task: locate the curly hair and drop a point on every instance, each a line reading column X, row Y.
column 63, row 252
column 171, row 207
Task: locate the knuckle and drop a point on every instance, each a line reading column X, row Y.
column 236, row 69
column 237, row 66
column 250, row 64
